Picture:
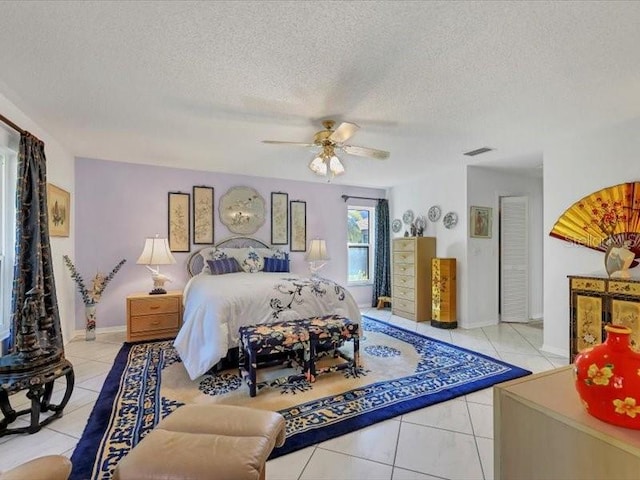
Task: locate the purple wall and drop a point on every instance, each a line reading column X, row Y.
column 117, row 205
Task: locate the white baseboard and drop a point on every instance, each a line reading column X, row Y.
column 537, row 316
column 81, row 333
column 556, row 351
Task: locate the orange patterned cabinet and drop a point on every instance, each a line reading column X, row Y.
column 153, row 317
column 443, row 293
column 411, row 293
column 596, row 301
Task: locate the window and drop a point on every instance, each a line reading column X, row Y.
column 360, row 239
column 8, row 174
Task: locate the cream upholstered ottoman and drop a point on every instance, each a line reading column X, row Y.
column 206, row 442
column 51, row 467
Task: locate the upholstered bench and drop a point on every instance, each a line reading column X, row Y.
column 203, row 442
column 330, row 332
column 269, row 340
column 306, row 337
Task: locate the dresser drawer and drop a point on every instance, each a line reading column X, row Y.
column 628, row 288
column 154, row 305
column 588, row 284
column 404, row 257
column 404, row 269
column 401, row 245
column 150, row 323
column 404, row 293
column 403, row 281
column 404, row 305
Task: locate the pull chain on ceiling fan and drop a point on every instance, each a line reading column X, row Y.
column 326, row 162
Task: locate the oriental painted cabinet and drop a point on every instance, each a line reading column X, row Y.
column 443, row 293
column 596, row 301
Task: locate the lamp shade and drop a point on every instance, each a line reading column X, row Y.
column 317, row 251
column 156, row 252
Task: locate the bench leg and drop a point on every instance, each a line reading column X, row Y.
column 253, row 366
column 356, row 354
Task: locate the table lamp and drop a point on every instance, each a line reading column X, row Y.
column 156, row 252
column 317, row 255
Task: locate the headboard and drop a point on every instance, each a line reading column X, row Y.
column 195, row 263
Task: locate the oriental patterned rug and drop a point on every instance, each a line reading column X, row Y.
column 400, row 371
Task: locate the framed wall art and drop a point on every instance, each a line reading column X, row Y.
column 242, row 210
column 480, row 218
column 298, row 225
column 279, row 218
column 203, row 215
column 59, row 211
column 178, row 214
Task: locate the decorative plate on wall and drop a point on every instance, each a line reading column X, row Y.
column 450, row 220
column 434, row 213
column 242, row 210
column 396, row 225
column 407, row 217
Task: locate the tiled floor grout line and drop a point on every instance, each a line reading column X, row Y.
column 315, row 447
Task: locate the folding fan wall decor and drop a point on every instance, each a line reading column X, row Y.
column 604, row 220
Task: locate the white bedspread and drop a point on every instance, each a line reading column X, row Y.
column 215, row 306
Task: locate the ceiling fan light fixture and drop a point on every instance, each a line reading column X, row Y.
column 318, row 165
column 335, row 165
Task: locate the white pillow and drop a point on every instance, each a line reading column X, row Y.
column 252, row 261
column 211, row 254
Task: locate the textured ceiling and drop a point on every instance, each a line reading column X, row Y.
column 200, row 84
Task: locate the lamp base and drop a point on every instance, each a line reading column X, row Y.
column 157, row 291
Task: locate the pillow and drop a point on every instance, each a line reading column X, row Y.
column 211, row 254
column 272, row 264
column 223, row 265
column 252, row 261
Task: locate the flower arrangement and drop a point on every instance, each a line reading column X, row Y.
column 98, row 283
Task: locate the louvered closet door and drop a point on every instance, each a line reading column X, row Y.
column 514, row 259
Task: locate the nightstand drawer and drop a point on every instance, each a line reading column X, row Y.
column 149, row 323
column 154, row 305
column 153, row 317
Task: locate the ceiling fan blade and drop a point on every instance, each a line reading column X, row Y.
column 299, row 144
column 344, row 132
column 366, row 152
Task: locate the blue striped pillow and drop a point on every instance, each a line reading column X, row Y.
column 272, row 264
column 224, row 265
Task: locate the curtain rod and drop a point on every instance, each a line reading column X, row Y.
column 347, row 197
column 4, row 119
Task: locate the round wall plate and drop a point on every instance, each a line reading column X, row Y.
column 407, row 217
column 396, row 225
column 450, row 220
column 434, row 213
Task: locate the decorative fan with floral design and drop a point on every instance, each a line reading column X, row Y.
column 607, row 218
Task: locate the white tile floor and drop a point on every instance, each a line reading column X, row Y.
column 451, row 440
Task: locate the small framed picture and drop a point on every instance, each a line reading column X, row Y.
column 202, row 215
column 279, row 218
column 58, row 211
column 480, row 222
column 178, row 219
column 298, row 230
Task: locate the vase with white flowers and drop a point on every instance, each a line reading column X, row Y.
column 91, row 297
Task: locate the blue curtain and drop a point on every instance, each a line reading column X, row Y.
column 382, row 268
column 33, row 269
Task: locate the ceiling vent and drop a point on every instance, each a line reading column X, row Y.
column 478, row 151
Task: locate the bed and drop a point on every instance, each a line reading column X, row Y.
column 217, row 305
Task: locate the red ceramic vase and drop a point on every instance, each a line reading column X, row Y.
column 608, row 379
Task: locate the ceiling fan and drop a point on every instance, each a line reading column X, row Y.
column 328, row 141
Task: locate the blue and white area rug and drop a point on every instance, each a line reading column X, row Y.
column 400, row 371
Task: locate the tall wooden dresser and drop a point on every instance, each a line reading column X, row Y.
column 411, row 296
column 598, row 300
column 443, row 293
